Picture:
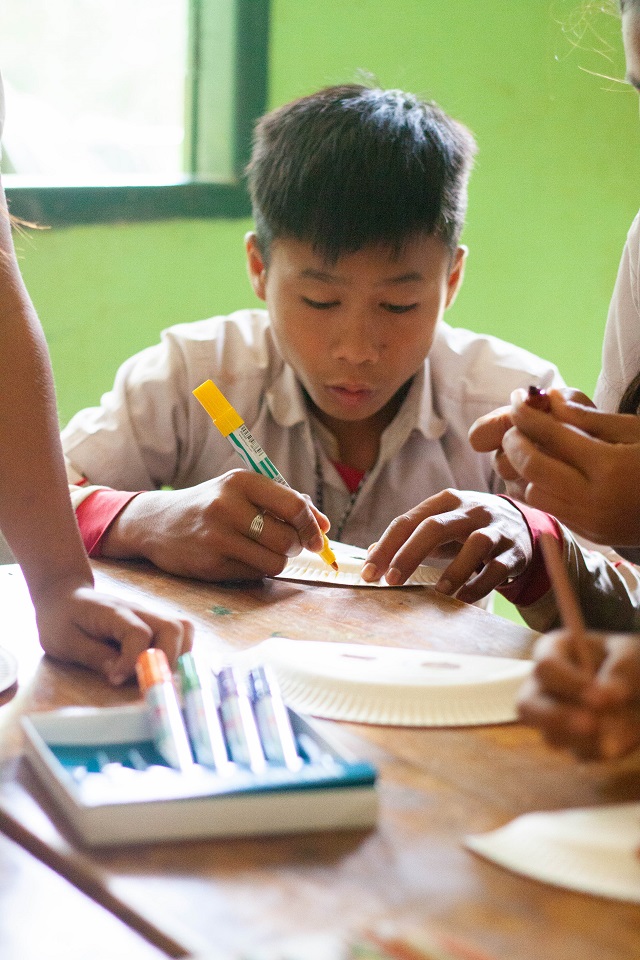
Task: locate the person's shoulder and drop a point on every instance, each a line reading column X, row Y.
column 236, row 350
column 248, row 326
column 634, row 229
column 633, row 233
column 484, row 365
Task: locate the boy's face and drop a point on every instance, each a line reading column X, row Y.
column 355, row 331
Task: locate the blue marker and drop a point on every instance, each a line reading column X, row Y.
column 238, row 720
column 272, row 716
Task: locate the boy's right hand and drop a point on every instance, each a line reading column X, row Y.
column 204, row 531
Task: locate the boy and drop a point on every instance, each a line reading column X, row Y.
column 359, row 392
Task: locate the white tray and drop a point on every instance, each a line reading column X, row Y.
column 119, row 804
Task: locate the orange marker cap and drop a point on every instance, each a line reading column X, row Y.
column 152, row 667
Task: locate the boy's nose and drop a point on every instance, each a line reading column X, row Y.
column 356, row 342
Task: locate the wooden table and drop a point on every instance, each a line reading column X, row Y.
column 43, row 915
column 435, row 786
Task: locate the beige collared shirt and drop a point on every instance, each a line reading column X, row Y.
column 149, row 430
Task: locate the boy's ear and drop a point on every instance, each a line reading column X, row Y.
column 456, row 274
column 255, row 265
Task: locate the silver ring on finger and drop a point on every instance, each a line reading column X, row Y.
column 256, row 526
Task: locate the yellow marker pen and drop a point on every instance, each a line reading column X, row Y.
column 232, row 426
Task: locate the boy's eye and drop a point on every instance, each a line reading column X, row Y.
column 321, row 304
column 398, row 307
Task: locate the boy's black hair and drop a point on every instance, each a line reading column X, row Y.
column 353, row 166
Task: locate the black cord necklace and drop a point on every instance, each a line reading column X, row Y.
column 319, row 499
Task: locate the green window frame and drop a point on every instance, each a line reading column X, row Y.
column 227, row 92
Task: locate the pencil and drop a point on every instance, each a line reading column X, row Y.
column 570, row 612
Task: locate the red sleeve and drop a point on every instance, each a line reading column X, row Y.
column 96, row 513
column 534, row 582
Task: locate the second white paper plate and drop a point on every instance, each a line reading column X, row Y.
column 391, row 685
column 591, row 850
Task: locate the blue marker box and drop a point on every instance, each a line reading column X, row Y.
column 112, row 787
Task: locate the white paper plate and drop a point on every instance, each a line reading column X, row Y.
column 593, row 850
column 312, row 568
column 390, row 685
column 8, row 669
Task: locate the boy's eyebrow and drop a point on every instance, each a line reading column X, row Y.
column 412, row 276
column 311, row 273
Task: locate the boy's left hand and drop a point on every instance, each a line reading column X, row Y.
column 486, row 535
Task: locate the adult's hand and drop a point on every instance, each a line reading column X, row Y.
column 592, row 711
column 581, row 465
column 105, row 633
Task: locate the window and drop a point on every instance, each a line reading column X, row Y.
column 130, row 109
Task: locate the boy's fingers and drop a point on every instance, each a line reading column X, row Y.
column 288, row 505
column 405, row 528
column 474, row 554
column 493, row 574
column 381, row 553
column 307, row 527
column 487, row 432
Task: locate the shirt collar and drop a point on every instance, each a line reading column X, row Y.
column 287, row 406
column 286, row 400
column 417, row 412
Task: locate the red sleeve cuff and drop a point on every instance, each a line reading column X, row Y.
column 534, row 582
column 95, row 515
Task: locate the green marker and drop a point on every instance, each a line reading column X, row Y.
column 201, row 716
column 232, row 426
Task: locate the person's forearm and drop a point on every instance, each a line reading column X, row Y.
column 608, row 590
column 36, row 516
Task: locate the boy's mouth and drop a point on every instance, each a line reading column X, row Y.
column 351, row 394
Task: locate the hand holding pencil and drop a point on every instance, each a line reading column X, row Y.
column 584, row 693
column 232, row 426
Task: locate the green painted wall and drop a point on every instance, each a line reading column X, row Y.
column 553, row 193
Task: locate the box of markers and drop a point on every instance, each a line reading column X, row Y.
column 106, row 771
